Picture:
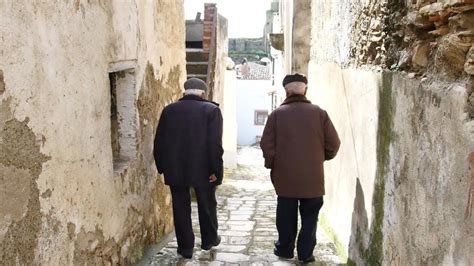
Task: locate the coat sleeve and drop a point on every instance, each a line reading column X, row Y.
column 160, row 141
column 214, row 141
column 331, row 139
column 268, row 142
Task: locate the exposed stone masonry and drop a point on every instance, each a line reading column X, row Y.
column 416, row 37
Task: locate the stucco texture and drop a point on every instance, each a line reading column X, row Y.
column 55, row 138
column 401, row 173
column 427, row 177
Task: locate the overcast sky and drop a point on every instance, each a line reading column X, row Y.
column 246, row 17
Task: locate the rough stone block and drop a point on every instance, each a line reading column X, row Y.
column 447, row 3
column 420, row 54
column 451, row 54
column 469, row 65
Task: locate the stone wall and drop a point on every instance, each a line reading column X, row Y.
column 395, row 79
column 61, row 200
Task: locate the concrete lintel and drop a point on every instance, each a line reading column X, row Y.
column 122, row 65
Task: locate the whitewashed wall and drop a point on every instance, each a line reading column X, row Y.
column 252, row 95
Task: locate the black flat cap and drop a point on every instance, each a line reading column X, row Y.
column 294, row 78
column 195, row 84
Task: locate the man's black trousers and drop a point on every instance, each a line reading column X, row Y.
column 287, row 225
column 206, row 199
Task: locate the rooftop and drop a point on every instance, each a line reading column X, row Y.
column 253, row 71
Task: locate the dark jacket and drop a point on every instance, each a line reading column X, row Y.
column 188, row 142
column 297, row 139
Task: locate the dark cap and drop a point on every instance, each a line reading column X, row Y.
column 294, row 78
column 195, row 84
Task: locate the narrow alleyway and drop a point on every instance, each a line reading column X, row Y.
column 246, row 213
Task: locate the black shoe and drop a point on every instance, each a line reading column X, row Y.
column 186, row 253
column 281, row 255
column 308, row 260
column 216, row 243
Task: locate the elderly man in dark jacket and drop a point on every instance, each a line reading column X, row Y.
column 297, row 139
column 188, row 151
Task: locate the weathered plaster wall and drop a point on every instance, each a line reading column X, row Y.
column 61, row 201
column 350, row 97
column 427, row 178
column 402, row 169
column 296, row 27
column 224, row 86
column 229, row 112
column 222, row 47
column 286, row 13
column 398, row 190
column 301, row 30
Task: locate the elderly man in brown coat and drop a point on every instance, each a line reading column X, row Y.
column 297, row 139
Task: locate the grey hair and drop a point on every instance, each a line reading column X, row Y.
column 295, row 88
column 196, row 92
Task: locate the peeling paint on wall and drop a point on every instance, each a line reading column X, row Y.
column 21, row 158
column 91, row 248
column 60, row 212
column 156, row 92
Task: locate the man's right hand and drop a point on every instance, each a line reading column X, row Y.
column 212, row 178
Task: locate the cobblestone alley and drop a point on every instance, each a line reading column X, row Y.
column 246, row 213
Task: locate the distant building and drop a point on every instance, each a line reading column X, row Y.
column 253, row 101
column 253, row 49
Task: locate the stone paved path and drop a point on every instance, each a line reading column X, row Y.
column 246, row 214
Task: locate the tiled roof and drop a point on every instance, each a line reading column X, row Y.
column 253, row 71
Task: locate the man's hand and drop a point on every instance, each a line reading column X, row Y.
column 212, row 178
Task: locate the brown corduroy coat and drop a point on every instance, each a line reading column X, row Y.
column 297, row 139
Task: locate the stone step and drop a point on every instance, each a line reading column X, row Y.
column 196, row 67
column 196, row 55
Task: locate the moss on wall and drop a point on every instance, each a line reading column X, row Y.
column 372, row 254
column 326, row 226
column 2, row 83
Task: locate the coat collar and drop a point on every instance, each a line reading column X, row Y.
column 296, row 98
column 191, row 97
